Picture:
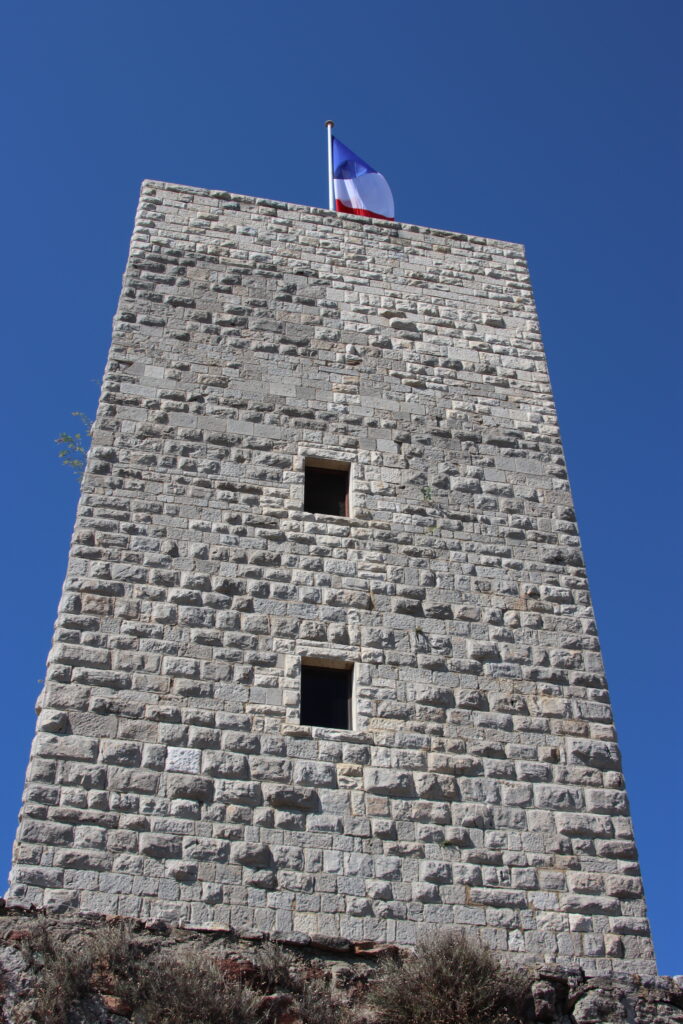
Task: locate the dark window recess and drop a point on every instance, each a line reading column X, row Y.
column 326, row 491
column 326, row 695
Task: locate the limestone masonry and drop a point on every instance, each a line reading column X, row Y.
column 477, row 781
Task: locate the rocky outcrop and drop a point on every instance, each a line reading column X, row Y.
column 72, row 969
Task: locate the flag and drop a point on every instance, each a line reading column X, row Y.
column 358, row 187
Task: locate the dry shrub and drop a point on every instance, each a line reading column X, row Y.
column 190, row 988
column 64, row 976
column 449, row 980
column 164, row 987
column 116, row 959
column 316, row 1005
column 278, row 969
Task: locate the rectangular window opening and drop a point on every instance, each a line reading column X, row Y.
column 327, row 694
column 326, row 487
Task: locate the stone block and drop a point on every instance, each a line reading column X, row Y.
column 46, row 833
column 53, row 721
column 572, row 903
column 585, row 825
column 117, row 752
column 596, row 754
column 559, row 798
column 299, row 798
column 209, row 850
column 183, row 759
column 437, row 872
column 160, row 847
column 311, row 773
column 190, row 787
column 222, row 765
column 251, row 854
column 182, row 871
column 386, row 782
column 507, row 898
column 66, row 748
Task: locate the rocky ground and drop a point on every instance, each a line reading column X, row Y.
column 87, row 970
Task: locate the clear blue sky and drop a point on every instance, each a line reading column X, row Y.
column 550, row 122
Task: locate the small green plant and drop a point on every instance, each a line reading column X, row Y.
column 427, row 494
column 74, row 450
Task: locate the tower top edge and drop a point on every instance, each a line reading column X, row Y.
column 150, row 184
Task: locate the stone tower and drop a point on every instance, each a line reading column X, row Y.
column 326, row 661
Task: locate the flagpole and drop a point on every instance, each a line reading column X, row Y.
column 330, row 171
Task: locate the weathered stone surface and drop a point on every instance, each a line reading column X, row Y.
column 182, row 759
column 555, row 995
column 480, row 782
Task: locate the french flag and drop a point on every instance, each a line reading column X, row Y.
column 358, row 187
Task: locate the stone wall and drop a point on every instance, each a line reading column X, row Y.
column 171, row 777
